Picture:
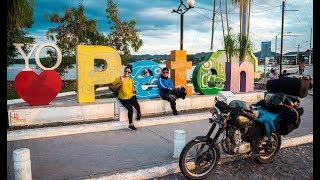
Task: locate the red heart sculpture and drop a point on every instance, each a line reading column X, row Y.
column 38, row 89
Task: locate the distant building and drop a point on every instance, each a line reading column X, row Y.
column 266, row 49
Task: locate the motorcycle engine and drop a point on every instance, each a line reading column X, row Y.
column 234, row 143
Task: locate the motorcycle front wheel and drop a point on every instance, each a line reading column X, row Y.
column 197, row 159
column 270, row 149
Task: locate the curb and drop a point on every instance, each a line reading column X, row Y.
column 172, row 168
column 15, row 135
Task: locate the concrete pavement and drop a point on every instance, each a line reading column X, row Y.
column 125, row 154
column 285, row 166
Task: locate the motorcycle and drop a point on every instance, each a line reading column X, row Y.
column 301, row 71
column 237, row 132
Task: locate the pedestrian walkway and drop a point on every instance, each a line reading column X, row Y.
column 124, row 154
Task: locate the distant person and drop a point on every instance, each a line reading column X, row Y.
column 145, row 73
column 165, row 86
column 127, row 96
column 301, row 67
column 285, row 74
column 273, row 75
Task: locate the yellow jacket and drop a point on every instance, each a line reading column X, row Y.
column 126, row 89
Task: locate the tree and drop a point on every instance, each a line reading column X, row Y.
column 244, row 46
column 244, row 15
column 124, row 34
column 19, row 18
column 74, row 28
column 237, row 45
column 230, row 44
column 223, row 28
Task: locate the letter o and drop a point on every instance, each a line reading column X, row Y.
column 59, row 56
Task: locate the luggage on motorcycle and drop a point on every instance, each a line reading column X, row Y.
column 222, row 106
column 290, row 86
column 239, row 104
column 269, row 107
column 279, row 99
column 288, row 119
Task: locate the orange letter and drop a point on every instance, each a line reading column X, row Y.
column 179, row 65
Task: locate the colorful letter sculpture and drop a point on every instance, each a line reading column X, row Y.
column 179, row 65
column 38, row 89
column 208, row 76
column 87, row 77
column 137, row 74
column 239, row 78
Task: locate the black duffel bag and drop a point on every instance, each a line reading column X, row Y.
column 288, row 119
column 290, row 86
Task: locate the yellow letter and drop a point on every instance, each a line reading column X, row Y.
column 87, row 77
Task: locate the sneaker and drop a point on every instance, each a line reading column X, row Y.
column 131, row 127
column 175, row 113
column 138, row 116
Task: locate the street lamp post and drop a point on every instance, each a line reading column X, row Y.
column 298, row 51
column 275, row 49
column 181, row 10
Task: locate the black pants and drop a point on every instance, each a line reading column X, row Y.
column 128, row 103
column 172, row 101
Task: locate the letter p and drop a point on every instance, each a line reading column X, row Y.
column 87, row 77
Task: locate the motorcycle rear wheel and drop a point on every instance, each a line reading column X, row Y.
column 197, row 160
column 267, row 156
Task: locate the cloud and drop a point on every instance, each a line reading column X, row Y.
column 160, row 28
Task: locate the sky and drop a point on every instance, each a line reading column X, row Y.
column 160, row 28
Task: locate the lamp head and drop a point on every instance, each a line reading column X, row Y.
column 191, row 3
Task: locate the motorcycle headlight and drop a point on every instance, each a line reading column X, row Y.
column 216, row 116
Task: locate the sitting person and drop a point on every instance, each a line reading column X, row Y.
column 145, row 73
column 285, row 74
column 127, row 94
column 165, row 86
column 273, row 75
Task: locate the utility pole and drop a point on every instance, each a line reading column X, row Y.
column 297, row 55
column 281, row 51
column 275, row 54
column 309, row 58
column 212, row 31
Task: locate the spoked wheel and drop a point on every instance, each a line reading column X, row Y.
column 269, row 148
column 197, row 160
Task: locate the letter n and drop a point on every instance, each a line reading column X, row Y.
column 239, row 78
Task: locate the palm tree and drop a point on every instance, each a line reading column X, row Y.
column 244, row 8
column 230, row 43
column 223, row 29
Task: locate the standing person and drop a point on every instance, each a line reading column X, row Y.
column 165, row 86
column 127, row 95
column 273, row 75
column 301, row 67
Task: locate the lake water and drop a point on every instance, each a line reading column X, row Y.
column 14, row 69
